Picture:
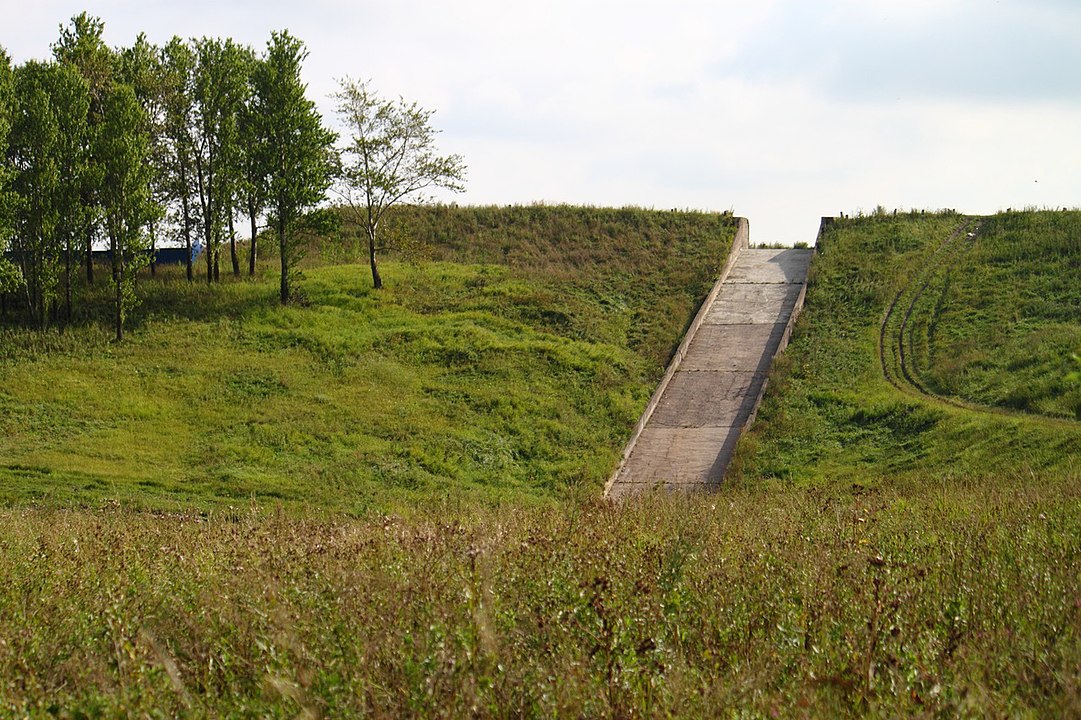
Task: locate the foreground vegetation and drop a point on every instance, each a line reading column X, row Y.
column 927, row 599
column 489, row 378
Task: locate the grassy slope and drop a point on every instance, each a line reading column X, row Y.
column 493, row 379
column 1009, row 316
column 832, row 416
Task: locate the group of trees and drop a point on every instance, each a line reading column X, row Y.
column 144, row 143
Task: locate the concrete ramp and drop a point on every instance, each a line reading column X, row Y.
column 711, row 391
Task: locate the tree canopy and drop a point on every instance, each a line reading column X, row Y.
column 132, row 147
column 298, row 151
column 389, row 157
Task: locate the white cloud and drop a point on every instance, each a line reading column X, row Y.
column 782, row 110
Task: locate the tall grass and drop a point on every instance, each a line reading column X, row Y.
column 927, row 599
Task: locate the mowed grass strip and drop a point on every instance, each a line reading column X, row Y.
column 481, row 379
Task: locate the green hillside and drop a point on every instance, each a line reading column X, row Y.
column 931, row 346
column 484, row 373
column 898, row 544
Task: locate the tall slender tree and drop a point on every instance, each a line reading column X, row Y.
column 178, row 106
column 70, row 98
column 254, row 166
column 123, row 149
column 35, row 138
column 140, row 66
column 299, row 149
column 10, row 275
column 219, row 91
column 81, row 46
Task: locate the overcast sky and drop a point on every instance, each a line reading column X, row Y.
column 780, row 111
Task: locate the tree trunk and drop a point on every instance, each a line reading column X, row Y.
column 251, row 247
column 89, row 255
column 232, row 248
column 217, row 265
column 185, row 212
column 377, row 281
column 67, row 279
column 207, row 206
column 187, row 236
column 118, row 280
column 284, row 261
column 153, row 249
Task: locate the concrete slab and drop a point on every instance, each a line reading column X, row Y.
column 679, row 455
column 688, row 439
column 700, row 399
column 771, row 266
column 742, row 304
column 733, row 347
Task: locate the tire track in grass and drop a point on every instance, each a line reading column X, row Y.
column 883, row 330
column 909, row 380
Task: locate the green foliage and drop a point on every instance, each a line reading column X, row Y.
column 298, row 162
column 178, row 171
column 471, row 380
column 389, row 158
column 11, row 277
column 986, row 323
column 81, row 46
column 220, row 89
column 7, row 111
column 34, row 138
column 123, row 148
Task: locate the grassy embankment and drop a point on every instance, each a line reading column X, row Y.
column 923, row 560
column 992, row 322
column 512, row 365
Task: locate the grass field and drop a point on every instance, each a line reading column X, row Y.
column 1002, row 325
column 926, row 599
column 895, row 544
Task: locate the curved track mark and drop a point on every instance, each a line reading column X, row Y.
column 909, row 380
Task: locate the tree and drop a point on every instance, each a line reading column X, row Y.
column 49, row 153
column 178, row 141
column 123, row 148
column 140, row 66
column 220, row 90
column 254, row 170
column 70, row 98
column 10, row 276
column 299, row 156
column 81, row 46
column 35, row 137
column 390, row 157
